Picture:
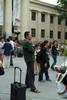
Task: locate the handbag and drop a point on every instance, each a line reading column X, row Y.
column 1, row 68
column 36, row 68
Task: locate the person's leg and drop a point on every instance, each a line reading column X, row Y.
column 54, row 61
column 40, row 75
column 30, row 75
column 11, row 60
column 27, row 80
column 46, row 74
column 4, row 61
column 7, row 61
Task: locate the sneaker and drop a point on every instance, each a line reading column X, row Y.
column 35, row 91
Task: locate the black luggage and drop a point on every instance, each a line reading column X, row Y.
column 64, row 81
column 18, row 90
column 19, row 52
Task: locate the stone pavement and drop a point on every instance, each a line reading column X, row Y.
column 47, row 89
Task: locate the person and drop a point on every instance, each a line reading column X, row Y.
column 28, row 51
column 61, row 80
column 7, row 51
column 37, row 64
column 1, row 49
column 44, row 61
column 54, row 53
column 13, row 48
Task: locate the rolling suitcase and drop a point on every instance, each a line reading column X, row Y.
column 18, row 90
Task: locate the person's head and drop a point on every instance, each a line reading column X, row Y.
column 10, row 37
column 61, row 69
column 2, row 39
column 8, row 40
column 55, row 42
column 45, row 44
column 28, row 35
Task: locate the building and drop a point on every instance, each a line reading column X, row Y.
column 38, row 17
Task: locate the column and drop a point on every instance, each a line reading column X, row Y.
column 63, row 30
column 55, row 29
column 47, row 27
column 24, row 17
column 8, row 17
column 38, row 36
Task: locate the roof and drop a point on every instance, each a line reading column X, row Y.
column 43, row 3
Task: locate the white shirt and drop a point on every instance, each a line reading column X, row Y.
column 12, row 43
column 60, row 87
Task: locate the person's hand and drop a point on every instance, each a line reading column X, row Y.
column 45, row 65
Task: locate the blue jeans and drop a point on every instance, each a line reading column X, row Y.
column 54, row 60
column 43, row 71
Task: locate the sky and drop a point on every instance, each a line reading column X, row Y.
column 50, row 1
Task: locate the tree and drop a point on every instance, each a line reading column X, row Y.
column 62, row 8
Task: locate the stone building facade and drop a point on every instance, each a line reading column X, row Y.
column 41, row 18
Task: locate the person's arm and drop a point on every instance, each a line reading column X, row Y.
column 29, row 47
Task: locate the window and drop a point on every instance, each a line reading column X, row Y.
column 42, row 33
column 65, row 35
column 59, row 21
column 51, row 34
column 51, row 19
column 42, row 17
column 33, row 31
column 66, row 22
column 33, row 16
column 59, row 35
column 1, row 29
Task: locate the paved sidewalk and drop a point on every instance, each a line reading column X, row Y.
column 47, row 89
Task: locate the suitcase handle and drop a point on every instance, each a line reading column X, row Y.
column 15, row 74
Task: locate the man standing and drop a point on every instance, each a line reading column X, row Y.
column 54, row 53
column 28, row 52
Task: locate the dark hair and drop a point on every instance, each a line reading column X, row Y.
column 10, row 37
column 62, row 69
column 44, row 43
column 26, row 34
column 54, row 41
column 8, row 40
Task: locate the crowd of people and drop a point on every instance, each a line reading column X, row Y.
column 36, row 57
column 8, row 49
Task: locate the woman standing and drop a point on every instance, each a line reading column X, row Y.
column 44, row 61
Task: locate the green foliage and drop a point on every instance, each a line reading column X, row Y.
column 65, row 42
column 62, row 8
column 62, row 3
column 65, row 52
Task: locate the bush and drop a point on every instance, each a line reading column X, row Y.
column 65, row 52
